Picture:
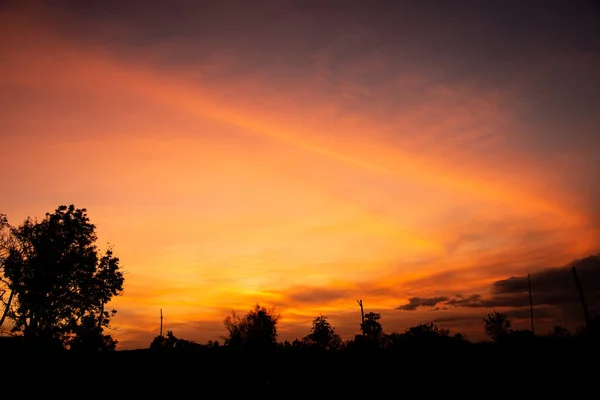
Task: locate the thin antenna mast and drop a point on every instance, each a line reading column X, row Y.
column 586, row 313
column 161, row 319
column 530, row 304
column 362, row 315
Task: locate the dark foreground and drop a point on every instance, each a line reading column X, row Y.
column 490, row 372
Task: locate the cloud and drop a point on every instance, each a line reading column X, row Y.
column 318, row 295
column 457, row 319
column 478, row 301
column 337, row 295
column 473, row 300
column 416, row 302
column 539, row 313
column 554, row 293
column 554, row 280
column 493, row 263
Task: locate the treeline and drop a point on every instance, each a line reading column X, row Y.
column 55, row 286
column 257, row 331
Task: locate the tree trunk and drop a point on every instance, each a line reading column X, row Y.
column 5, row 313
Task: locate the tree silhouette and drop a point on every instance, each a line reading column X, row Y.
column 371, row 327
column 89, row 336
column 560, row 332
column 427, row 336
column 161, row 343
column 256, row 330
column 236, row 330
column 497, row 326
column 58, row 283
column 428, row 330
column 322, row 334
column 6, row 294
column 171, row 342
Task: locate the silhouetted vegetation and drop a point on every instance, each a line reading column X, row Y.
column 56, row 287
column 497, row 326
column 58, row 284
column 322, row 335
column 171, row 342
column 256, row 330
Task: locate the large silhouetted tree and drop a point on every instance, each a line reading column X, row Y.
column 497, row 326
column 59, row 283
column 89, row 335
column 6, row 295
column 256, row 330
column 322, row 334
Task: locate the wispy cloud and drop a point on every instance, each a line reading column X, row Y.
column 554, row 294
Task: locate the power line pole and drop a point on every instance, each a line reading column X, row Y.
column 362, row 315
column 530, row 304
column 586, row 313
column 161, row 319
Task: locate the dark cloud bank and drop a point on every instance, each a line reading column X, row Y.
column 554, row 292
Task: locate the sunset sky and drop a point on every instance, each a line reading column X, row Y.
column 306, row 154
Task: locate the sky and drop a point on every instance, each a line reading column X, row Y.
column 421, row 156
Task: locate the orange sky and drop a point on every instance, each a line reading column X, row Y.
column 305, row 187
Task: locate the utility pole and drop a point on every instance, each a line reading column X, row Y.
column 362, row 315
column 161, row 318
column 530, row 304
column 586, row 313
